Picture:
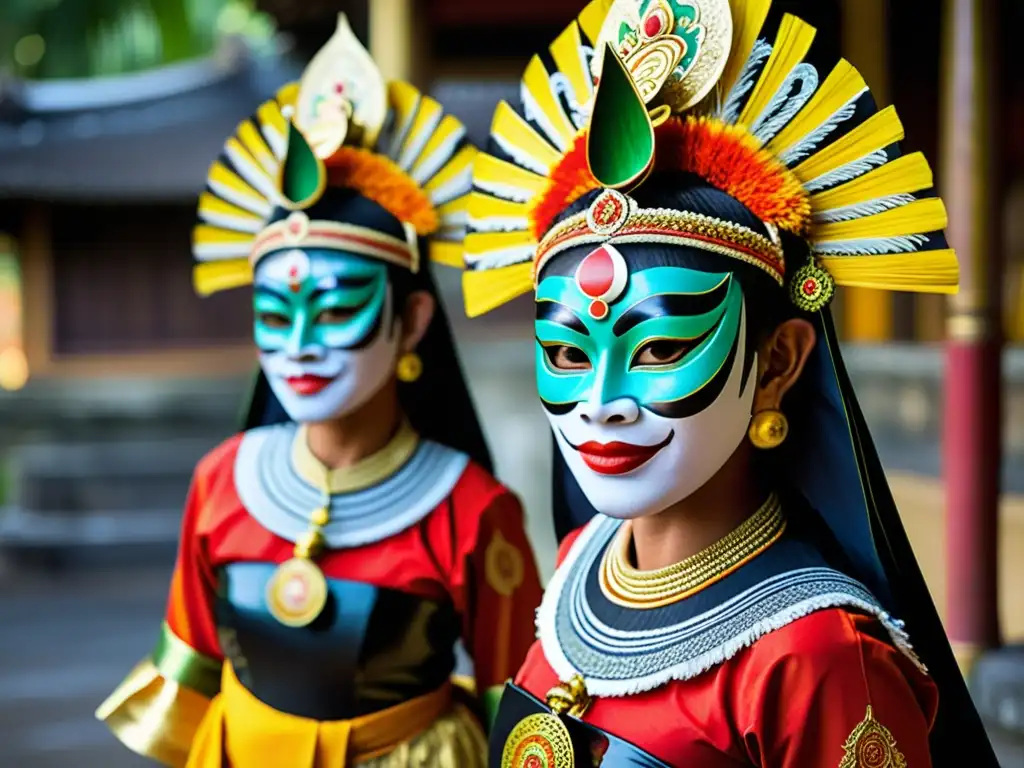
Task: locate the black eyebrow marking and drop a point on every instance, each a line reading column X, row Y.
column 340, row 282
column 554, row 312
column 671, row 305
column 283, row 298
column 696, row 402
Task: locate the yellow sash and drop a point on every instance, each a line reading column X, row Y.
column 241, row 731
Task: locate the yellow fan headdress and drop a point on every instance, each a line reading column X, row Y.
column 637, row 86
column 341, row 127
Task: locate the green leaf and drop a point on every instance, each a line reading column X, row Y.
column 303, row 175
column 620, row 142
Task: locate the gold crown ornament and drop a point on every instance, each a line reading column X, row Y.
column 697, row 86
column 340, row 126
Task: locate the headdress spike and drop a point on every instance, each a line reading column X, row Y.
column 620, row 142
column 303, row 177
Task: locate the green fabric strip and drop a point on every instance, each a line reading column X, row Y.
column 491, row 699
column 178, row 661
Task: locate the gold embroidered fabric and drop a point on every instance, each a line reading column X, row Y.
column 454, row 741
column 153, row 716
column 871, row 745
column 632, row 588
column 363, row 474
column 666, row 225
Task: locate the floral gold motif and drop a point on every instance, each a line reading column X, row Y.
column 812, row 288
column 538, row 741
column 676, row 50
column 503, row 565
column 653, row 63
column 609, row 212
column 871, row 745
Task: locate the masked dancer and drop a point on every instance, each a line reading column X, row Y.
column 333, row 554
column 683, row 188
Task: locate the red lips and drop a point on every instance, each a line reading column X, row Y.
column 618, row 458
column 308, row 384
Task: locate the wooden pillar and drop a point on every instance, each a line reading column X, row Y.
column 37, row 288
column 972, row 439
column 868, row 314
column 395, row 40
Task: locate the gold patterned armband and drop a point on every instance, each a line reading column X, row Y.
column 157, row 709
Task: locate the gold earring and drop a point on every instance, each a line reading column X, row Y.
column 409, row 368
column 768, row 429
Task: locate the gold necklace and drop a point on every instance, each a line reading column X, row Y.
column 632, row 588
column 296, row 593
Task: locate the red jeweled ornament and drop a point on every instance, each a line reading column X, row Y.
column 609, row 212
column 812, row 287
column 598, row 310
column 602, row 277
column 656, row 23
column 596, row 273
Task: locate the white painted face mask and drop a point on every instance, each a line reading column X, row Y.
column 648, row 402
column 325, row 328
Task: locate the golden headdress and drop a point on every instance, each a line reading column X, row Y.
column 340, row 126
column 694, row 86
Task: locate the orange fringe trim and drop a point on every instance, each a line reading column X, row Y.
column 730, row 159
column 568, row 181
column 377, row 178
column 726, row 156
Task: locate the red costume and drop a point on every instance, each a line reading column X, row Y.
column 315, row 612
column 443, row 557
column 369, row 673
column 683, row 188
column 796, row 698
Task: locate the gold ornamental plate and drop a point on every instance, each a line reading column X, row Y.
column 676, row 50
column 538, row 741
column 297, row 592
column 341, row 92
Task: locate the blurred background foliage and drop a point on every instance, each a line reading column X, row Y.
column 55, row 39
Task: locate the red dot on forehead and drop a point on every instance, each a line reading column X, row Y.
column 598, row 309
column 596, row 273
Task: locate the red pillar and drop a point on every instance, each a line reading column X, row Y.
column 972, row 441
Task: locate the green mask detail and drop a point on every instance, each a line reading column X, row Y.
column 338, row 305
column 669, row 304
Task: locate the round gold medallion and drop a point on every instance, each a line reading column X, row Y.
column 297, row 592
column 538, row 741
